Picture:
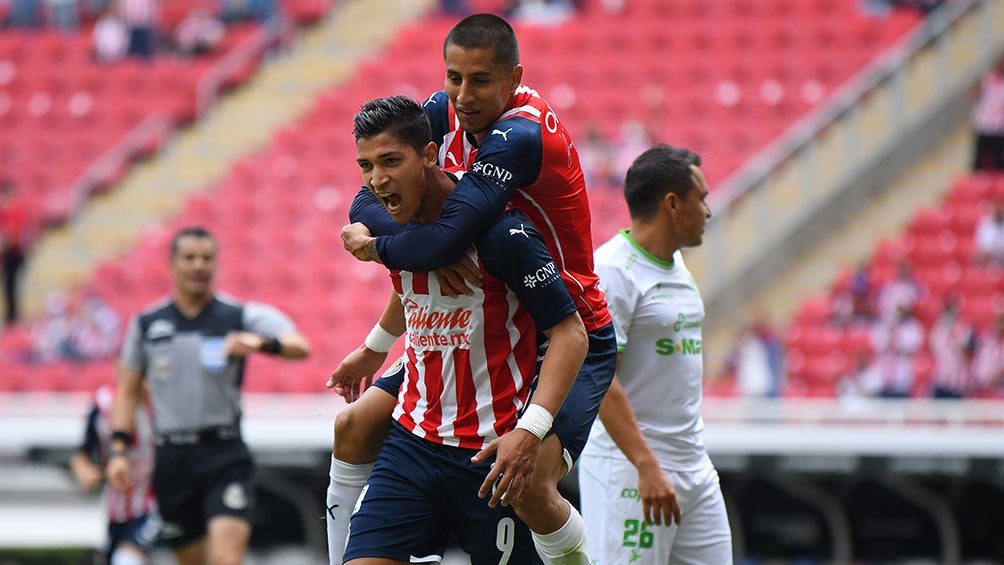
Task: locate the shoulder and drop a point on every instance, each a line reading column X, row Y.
column 437, row 108
column 155, row 311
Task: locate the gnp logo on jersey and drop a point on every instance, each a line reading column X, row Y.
column 542, row 276
column 159, row 329
column 492, row 171
column 681, row 323
column 687, row 346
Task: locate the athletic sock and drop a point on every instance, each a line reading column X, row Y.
column 347, row 481
column 566, row 545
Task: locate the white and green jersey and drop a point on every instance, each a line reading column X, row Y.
column 657, row 312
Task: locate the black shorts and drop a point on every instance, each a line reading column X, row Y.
column 194, row 483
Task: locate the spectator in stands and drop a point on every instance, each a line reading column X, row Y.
column 24, row 13
column 990, row 355
column 62, row 14
column 632, row 140
column 141, row 17
column 863, row 380
column 854, row 301
column 94, row 331
column 952, row 343
column 896, row 345
column 133, row 524
column 988, row 121
column 110, row 37
column 902, row 292
column 757, row 362
column 541, row 12
column 989, row 237
column 199, row 33
column 50, row 336
column 14, row 237
column 596, row 157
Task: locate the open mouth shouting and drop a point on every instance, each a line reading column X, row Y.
column 390, row 201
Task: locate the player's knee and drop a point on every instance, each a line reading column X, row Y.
column 353, row 438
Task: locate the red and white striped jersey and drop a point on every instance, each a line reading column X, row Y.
column 988, row 113
column 470, row 361
column 139, row 499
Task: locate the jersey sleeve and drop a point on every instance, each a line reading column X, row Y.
column 91, row 444
column 133, row 357
column 266, row 320
column 622, row 298
column 514, row 251
column 509, row 157
column 367, row 209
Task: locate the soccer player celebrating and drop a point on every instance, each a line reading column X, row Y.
column 468, row 371
column 515, row 151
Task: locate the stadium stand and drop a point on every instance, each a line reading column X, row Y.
column 282, row 184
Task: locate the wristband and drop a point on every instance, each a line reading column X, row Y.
column 270, row 345
column 536, row 420
column 380, row 340
column 123, row 436
column 118, row 453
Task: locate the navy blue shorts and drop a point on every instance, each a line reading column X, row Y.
column 582, row 405
column 142, row 532
column 577, row 414
column 419, row 494
column 392, row 379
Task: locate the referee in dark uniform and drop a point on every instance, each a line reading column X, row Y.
column 191, row 349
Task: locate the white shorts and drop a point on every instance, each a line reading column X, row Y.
column 615, row 523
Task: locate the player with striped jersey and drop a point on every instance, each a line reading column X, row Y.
column 133, row 523
column 517, row 153
column 646, row 465
column 469, row 368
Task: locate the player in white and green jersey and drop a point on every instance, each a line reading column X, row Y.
column 650, row 495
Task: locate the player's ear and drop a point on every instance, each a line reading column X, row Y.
column 430, row 155
column 517, row 76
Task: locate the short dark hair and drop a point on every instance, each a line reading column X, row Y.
column 191, row 231
column 656, row 172
column 485, row 31
column 399, row 116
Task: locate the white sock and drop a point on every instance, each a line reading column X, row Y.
column 127, row 556
column 566, row 545
column 347, row 481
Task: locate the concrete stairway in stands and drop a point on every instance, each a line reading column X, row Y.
column 283, row 88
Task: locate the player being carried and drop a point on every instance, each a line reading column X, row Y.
column 468, row 372
column 516, row 151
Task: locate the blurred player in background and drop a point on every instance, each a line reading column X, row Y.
column 191, row 350
column 646, row 465
column 515, row 150
column 468, row 371
column 133, row 523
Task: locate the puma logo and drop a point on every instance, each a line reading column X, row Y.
column 452, row 158
column 504, row 134
column 522, row 230
column 331, row 511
